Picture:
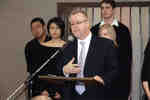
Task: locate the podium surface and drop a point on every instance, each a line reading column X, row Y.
column 62, row 80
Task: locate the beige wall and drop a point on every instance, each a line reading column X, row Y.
column 15, row 17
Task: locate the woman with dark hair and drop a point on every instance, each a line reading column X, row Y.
column 56, row 29
column 58, row 23
column 45, row 50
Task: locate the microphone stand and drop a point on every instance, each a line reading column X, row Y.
column 27, row 81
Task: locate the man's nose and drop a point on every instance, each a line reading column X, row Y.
column 104, row 9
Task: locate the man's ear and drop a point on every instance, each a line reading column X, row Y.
column 89, row 26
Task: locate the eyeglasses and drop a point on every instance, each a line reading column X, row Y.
column 79, row 22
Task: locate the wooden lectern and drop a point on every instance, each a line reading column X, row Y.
column 60, row 80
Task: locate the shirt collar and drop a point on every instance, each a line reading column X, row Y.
column 87, row 39
column 115, row 22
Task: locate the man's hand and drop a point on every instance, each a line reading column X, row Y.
column 71, row 68
column 99, row 79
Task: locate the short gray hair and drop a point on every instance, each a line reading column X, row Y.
column 76, row 11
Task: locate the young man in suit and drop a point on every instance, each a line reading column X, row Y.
column 88, row 56
column 123, row 37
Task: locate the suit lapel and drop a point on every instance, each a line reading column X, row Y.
column 76, row 52
column 74, row 47
column 88, row 57
column 90, row 52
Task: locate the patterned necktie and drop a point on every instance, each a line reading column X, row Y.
column 80, row 87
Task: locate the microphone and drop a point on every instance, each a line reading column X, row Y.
column 26, row 83
column 71, row 38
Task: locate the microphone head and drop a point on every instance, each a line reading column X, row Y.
column 71, row 38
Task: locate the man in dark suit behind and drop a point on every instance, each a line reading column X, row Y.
column 99, row 60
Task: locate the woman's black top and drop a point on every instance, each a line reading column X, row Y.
column 36, row 55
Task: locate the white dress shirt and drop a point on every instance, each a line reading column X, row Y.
column 87, row 43
column 115, row 22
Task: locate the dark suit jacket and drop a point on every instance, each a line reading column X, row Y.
column 145, row 73
column 101, row 60
column 123, row 83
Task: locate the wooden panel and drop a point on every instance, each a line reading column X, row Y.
column 96, row 4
